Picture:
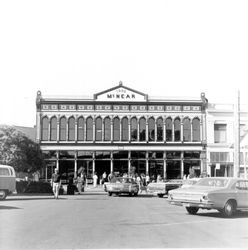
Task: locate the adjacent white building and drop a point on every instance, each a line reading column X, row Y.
column 221, row 131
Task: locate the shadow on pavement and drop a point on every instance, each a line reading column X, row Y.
column 28, row 198
column 8, row 207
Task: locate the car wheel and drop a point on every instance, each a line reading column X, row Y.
column 229, row 209
column 3, row 194
column 136, row 193
column 160, row 195
column 109, row 193
column 192, row 210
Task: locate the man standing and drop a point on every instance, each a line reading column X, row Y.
column 56, row 179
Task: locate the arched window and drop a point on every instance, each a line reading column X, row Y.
column 186, row 130
column 116, row 125
column 151, row 129
column 89, row 129
column 168, row 129
column 98, row 129
column 177, row 129
column 80, row 133
column 160, row 129
column 196, row 129
column 53, row 126
column 134, row 127
column 142, row 129
column 107, row 129
column 71, row 126
column 44, row 129
column 124, row 129
column 62, row 129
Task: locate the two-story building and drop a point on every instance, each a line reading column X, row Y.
column 221, row 132
column 122, row 130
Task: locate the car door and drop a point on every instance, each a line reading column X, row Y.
column 242, row 193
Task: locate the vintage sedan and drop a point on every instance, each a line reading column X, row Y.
column 225, row 194
column 189, row 182
column 123, row 185
column 162, row 188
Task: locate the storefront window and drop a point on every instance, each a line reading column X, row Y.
column 124, row 127
column 120, row 154
column 107, row 129
column 62, row 129
column 98, row 129
column 156, row 154
column 81, row 129
column 173, row 155
column 219, row 133
column 196, row 129
column 138, row 154
column 168, row 129
column 116, row 125
column 53, row 129
column 44, row 129
column 151, row 129
column 142, row 128
column 89, row 129
column 71, row 125
column 102, row 155
column 85, row 154
column 177, row 129
column 66, row 154
column 186, row 130
column 173, row 169
column 160, row 129
column 134, row 128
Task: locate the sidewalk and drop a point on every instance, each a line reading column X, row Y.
column 92, row 189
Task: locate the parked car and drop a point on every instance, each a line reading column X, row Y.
column 122, row 185
column 7, row 181
column 162, row 188
column 225, row 194
column 189, row 182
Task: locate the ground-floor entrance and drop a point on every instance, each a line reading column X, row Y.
column 167, row 164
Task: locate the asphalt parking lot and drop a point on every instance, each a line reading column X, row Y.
column 94, row 220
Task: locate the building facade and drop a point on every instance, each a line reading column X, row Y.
column 124, row 131
column 221, row 132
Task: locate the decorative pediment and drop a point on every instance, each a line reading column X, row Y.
column 120, row 93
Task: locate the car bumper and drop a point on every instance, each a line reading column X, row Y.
column 207, row 205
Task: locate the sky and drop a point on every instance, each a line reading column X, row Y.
column 157, row 47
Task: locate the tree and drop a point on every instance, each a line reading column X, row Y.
column 18, row 151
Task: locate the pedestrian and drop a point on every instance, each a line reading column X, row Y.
column 147, row 179
column 56, row 182
column 83, row 175
column 103, row 179
column 111, row 177
column 80, row 183
column 95, row 177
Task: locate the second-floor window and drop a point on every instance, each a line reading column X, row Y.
column 219, row 133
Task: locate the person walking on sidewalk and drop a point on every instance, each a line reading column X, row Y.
column 56, row 181
column 95, row 177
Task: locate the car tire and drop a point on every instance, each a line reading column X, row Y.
column 229, row 208
column 192, row 210
column 160, row 195
column 136, row 193
column 109, row 193
column 3, row 194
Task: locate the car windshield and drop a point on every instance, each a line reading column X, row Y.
column 123, row 180
column 212, row 182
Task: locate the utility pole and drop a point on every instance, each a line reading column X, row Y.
column 236, row 165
